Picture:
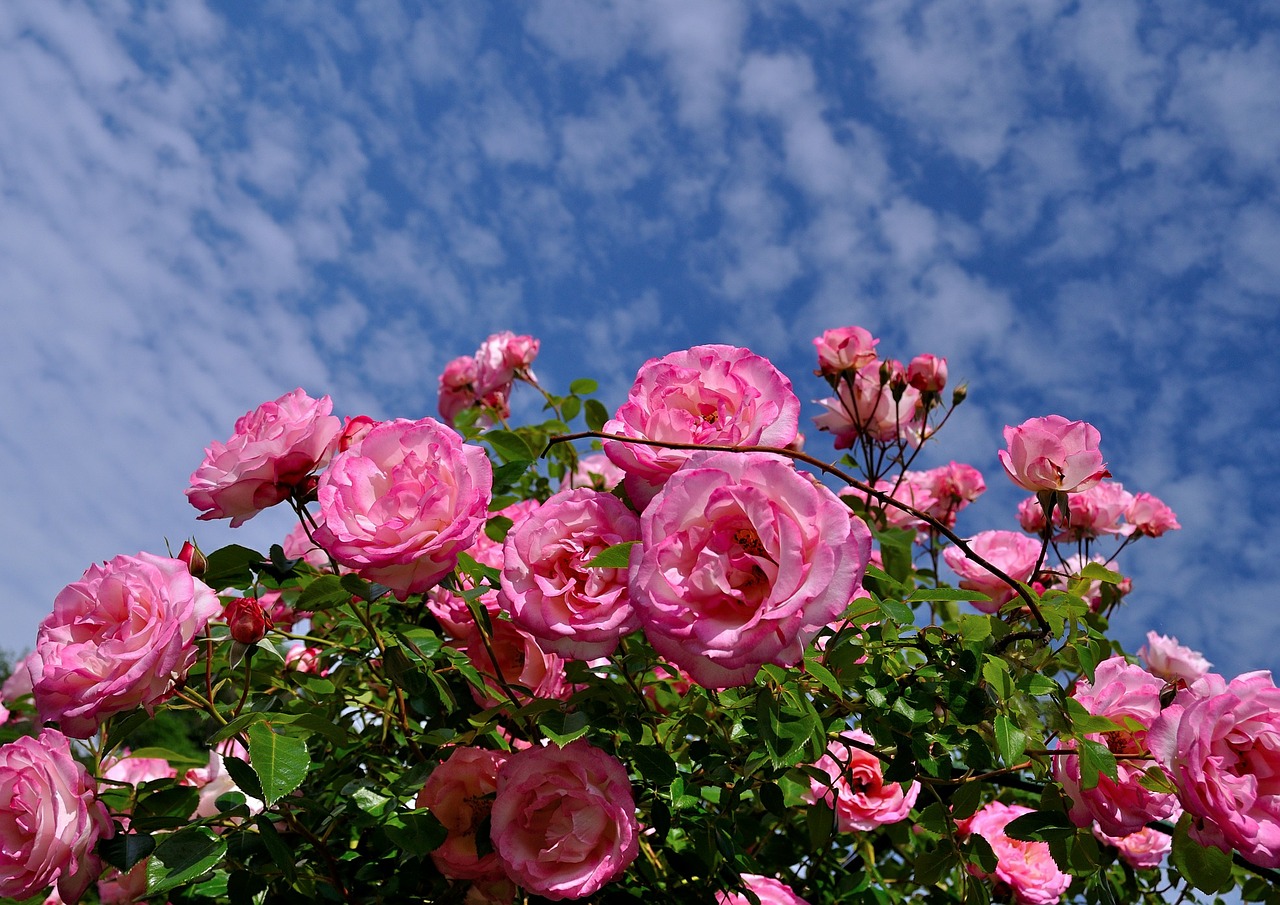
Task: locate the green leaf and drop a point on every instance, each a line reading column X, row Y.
column 280, row 761
column 281, row 855
column 814, row 667
column 506, row 476
column 946, row 594
column 496, row 528
column 616, row 557
column 1011, row 740
column 1096, row 759
column 583, row 386
column 570, row 407
column 243, row 775
column 123, row 724
column 820, row 820
column 418, row 832
column 325, row 593
column 1040, row 826
column 183, row 857
column 974, row 628
column 1084, row 722
column 1206, row 867
column 510, row 446
column 124, row 850
column 654, row 764
column 897, row 611
column 1037, row 685
column 562, row 728
column 596, row 414
column 231, row 566
column 1096, row 571
column 995, row 671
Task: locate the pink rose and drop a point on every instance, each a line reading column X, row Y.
column 1099, row 510
column 1143, row 850
column 297, row 545
column 1025, row 868
column 564, row 820
column 120, row 637
column 927, row 373
column 457, row 387
column 1150, row 517
column 845, row 349
column 856, row 788
column 501, row 358
column 214, row 781
column 912, row 488
column 865, row 405
column 50, row 819
column 595, row 471
column 742, row 561
column 459, row 793
column 1123, row 693
column 1012, row 553
column 115, row 888
column 247, row 621
column 402, row 503
column 768, row 890
column 714, row 395
column 273, row 450
column 1169, row 660
column 1031, row 516
column 1052, row 453
column 572, row 610
column 303, row 659
column 1220, row 743
column 526, row 670
column 136, row 770
column 1095, row 592
column 19, row 684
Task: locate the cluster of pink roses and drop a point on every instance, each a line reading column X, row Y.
column 1106, row 508
column 940, row 493
column 486, row 378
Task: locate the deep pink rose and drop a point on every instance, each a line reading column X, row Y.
column 595, row 471
column 927, row 373
column 120, row 637
column 402, row 503
column 1031, row 516
column 856, row 788
column 1011, row 552
column 459, row 793
column 1143, row 850
column 912, row 488
column 767, row 889
column 564, row 820
column 1220, row 743
column 457, row 387
column 273, row 450
column 742, row 561
column 1150, row 516
column 865, row 405
column 1123, row 693
column 1027, row 869
column 50, row 819
column 714, row 395
column 501, row 358
column 247, row 620
column 527, row 670
column 572, row 610
column 1169, row 660
column 1052, row 453
column 845, row 349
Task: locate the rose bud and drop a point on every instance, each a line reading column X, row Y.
column 927, row 373
column 195, row 560
column 354, row 431
column 248, row 621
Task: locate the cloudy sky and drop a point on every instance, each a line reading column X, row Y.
column 1075, row 201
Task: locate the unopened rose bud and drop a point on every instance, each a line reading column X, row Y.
column 354, row 430
column 195, row 560
column 959, row 393
column 927, row 373
column 248, row 621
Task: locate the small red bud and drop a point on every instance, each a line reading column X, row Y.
column 191, row 555
column 248, row 621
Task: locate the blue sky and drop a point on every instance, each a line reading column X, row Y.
column 207, row 205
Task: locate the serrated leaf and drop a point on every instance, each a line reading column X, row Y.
column 230, row 566
column 1084, row 722
column 814, row 667
column 654, row 764
column 123, row 850
column 897, row 611
column 418, row 832
column 1010, row 740
column 562, row 728
column 1206, row 867
column 183, row 857
column 596, row 414
column 243, row 775
column 1096, row 760
column 925, row 594
column 123, row 724
column 1040, row 826
column 324, row 593
column 616, row 557
column 1096, row 571
column 1038, row 685
column 281, row 855
column 507, row 476
column 280, row 761
column 510, row 446
column 995, row 672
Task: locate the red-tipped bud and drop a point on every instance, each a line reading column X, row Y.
column 354, row 430
column 248, row 621
column 191, row 555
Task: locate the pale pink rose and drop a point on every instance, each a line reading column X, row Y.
column 959, row 482
column 768, row 890
column 845, row 349
column 1121, row 692
column 50, row 819
column 19, row 683
column 595, row 471
column 501, row 358
column 742, row 562
column 4, row 714
column 1026, row 869
column 865, row 406
column 304, row 659
column 120, row 637
column 1143, row 850
column 527, row 670
column 912, row 488
column 712, row 395
column 572, row 610
column 214, row 781
column 457, row 387
column 1031, row 516
column 856, row 788
column 273, row 451
column 1099, row 510
column 402, row 503
column 136, row 770
column 564, row 820
column 1169, row 660
column 459, row 793
column 927, row 373
column 1052, row 453
column 1150, row 517
column 1220, row 743
column 1012, row 553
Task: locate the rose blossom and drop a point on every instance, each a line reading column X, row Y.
column 856, row 788
column 1220, row 743
column 459, row 793
column 19, row 683
column 767, row 889
column 1095, row 592
column 214, row 781
column 572, row 610
column 304, row 659
column 50, row 819
column 594, row 471
column 845, row 349
column 500, row 358
column 1031, row 516
column 1142, row 850
column 563, row 822
column 712, row 395
column 457, row 387
column 247, row 621
column 864, row 405
column 1150, row 517
column 402, row 503
column 522, row 665
column 274, row 448
column 742, row 561
column 927, row 373
column 1127, row 695
column 1026, row 868
column 120, row 637
column 1009, row 551
column 1169, row 660
column 1052, row 453
column 1099, row 510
